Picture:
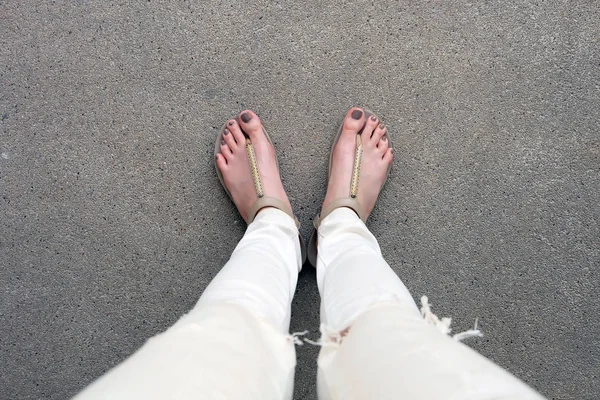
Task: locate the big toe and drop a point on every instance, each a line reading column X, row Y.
column 250, row 123
column 354, row 121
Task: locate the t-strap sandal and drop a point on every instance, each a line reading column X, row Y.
column 349, row 202
column 262, row 201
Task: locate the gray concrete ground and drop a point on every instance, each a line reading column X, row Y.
column 113, row 221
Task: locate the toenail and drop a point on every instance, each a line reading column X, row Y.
column 382, row 126
column 246, row 117
column 356, row 114
column 222, row 142
column 384, row 138
column 226, row 132
column 230, row 123
column 373, row 118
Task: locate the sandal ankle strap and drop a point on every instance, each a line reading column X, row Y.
column 351, row 203
column 270, row 202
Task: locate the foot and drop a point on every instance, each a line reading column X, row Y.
column 376, row 159
column 235, row 167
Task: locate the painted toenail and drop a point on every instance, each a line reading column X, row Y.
column 226, row 132
column 230, row 123
column 246, row 117
column 384, row 138
column 373, row 118
column 356, row 114
column 382, row 126
column 222, row 142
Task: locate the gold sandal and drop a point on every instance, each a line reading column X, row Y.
column 262, row 201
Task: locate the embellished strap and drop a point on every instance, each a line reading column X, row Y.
column 263, row 201
column 254, row 168
column 351, row 201
column 356, row 169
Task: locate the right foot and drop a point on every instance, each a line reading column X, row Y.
column 234, row 164
column 376, row 159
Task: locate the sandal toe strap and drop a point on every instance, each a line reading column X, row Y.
column 263, row 201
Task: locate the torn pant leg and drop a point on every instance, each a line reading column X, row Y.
column 375, row 344
column 233, row 344
column 352, row 275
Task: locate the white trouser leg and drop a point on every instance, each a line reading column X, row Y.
column 233, row 344
column 376, row 345
column 262, row 273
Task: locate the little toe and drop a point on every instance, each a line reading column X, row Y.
column 236, row 131
column 221, row 162
column 353, row 122
column 226, row 151
column 251, row 124
column 383, row 145
column 388, row 156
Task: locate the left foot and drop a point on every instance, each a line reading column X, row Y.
column 234, row 164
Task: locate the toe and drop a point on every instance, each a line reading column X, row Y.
column 383, row 145
column 221, row 163
column 229, row 140
column 234, row 128
column 226, row 151
column 379, row 132
column 354, row 121
column 251, row 124
column 389, row 155
column 369, row 128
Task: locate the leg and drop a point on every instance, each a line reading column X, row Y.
column 347, row 289
column 376, row 345
column 234, row 343
column 387, row 350
column 263, row 270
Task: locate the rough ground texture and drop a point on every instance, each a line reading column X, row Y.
column 113, row 220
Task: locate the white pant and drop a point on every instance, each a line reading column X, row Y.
column 234, row 344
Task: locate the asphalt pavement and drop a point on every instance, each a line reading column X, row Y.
column 114, row 222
